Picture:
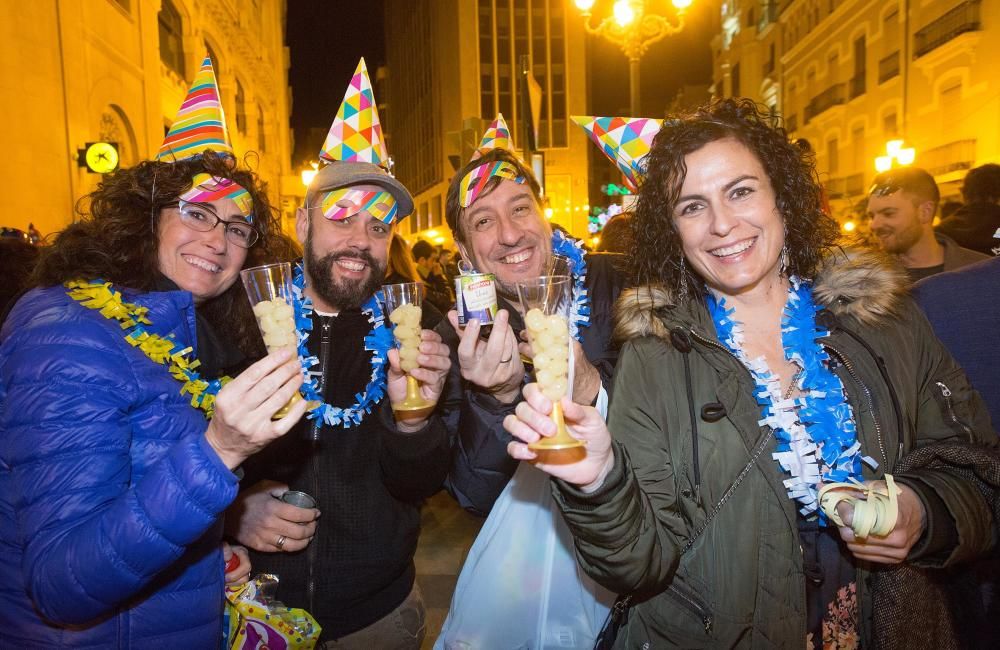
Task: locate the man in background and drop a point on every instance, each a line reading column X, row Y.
column 974, row 224
column 902, row 204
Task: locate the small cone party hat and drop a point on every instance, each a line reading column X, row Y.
column 200, row 122
column 497, row 136
column 624, row 140
column 356, row 133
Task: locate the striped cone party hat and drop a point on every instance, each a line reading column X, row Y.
column 624, row 140
column 200, row 122
column 356, row 133
column 497, row 136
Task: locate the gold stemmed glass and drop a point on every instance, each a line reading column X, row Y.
column 269, row 289
column 403, row 306
column 546, row 302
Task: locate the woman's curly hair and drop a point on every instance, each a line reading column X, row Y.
column 116, row 237
column 657, row 255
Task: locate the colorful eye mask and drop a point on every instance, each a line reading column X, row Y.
column 206, row 189
column 347, row 202
column 475, row 181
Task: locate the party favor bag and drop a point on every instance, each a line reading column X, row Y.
column 256, row 620
column 521, row 586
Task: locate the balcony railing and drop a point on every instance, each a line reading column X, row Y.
column 768, row 15
column 857, row 86
column 832, row 96
column 954, row 156
column 845, row 186
column 888, row 67
column 962, row 18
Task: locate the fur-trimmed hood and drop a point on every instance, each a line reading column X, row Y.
column 856, row 283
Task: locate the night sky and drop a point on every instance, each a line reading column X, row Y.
column 327, row 37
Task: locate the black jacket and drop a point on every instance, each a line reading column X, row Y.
column 369, row 481
column 973, row 226
column 480, row 466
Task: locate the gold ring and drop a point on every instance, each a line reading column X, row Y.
column 280, row 542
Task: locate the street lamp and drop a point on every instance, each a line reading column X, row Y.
column 309, row 174
column 895, row 153
column 634, row 30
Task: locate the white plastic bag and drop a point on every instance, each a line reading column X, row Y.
column 521, row 587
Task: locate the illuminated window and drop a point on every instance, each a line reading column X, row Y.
column 171, row 37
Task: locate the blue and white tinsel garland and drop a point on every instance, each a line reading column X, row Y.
column 573, row 251
column 816, row 433
column 379, row 341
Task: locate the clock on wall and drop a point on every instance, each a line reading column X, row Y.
column 99, row 157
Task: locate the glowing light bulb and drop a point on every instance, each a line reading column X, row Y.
column 681, row 5
column 584, row 5
column 892, row 147
column 849, row 226
column 906, row 156
column 883, row 163
column 624, row 14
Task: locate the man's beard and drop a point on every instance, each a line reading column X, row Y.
column 342, row 294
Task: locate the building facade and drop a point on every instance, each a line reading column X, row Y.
column 851, row 75
column 452, row 65
column 78, row 71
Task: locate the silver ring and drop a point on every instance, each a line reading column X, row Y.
column 280, row 542
column 507, row 360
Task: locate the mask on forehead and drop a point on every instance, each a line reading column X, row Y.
column 205, row 189
column 475, row 181
column 348, row 201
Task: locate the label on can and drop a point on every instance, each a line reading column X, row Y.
column 476, row 297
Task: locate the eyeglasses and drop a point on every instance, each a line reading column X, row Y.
column 200, row 217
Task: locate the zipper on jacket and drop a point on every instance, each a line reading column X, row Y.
column 950, row 410
column 324, row 351
column 868, row 398
column 691, row 603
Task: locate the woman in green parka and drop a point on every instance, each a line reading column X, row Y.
column 759, row 363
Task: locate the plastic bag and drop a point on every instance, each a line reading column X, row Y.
column 521, row 586
column 256, row 620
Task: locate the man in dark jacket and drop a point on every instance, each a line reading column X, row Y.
column 502, row 231
column 975, row 223
column 367, row 466
column 438, row 293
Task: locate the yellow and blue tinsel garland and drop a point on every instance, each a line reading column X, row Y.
column 100, row 295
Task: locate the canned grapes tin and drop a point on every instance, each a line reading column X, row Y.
column 476, row 297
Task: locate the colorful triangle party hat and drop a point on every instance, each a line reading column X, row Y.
column 497, row 136
column 356, row 133
column 624, row 140
column 200, row 122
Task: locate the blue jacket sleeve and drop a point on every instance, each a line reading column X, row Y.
column 93, row 535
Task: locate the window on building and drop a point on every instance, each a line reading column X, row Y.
column 858, row 157
column 171, row 37
column 860, row 67
column 241, row 108
column 889, row 126
column 261, row 135
column 832, row 156
column 213, row 57
column 734, row 80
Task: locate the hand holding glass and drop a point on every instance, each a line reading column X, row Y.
column 403, row 303
column 546, row 303
column 269, row 288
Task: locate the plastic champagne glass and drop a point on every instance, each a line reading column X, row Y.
column 546, row 302
column 403, row 308
column 269, row 288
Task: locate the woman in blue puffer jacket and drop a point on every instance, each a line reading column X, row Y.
column 112, row 481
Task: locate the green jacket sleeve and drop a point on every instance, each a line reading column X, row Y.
column 629, row 532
